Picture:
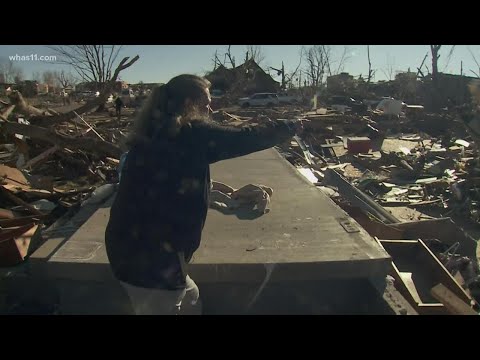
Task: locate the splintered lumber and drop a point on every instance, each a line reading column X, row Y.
column 19, row 201
column 44, row 155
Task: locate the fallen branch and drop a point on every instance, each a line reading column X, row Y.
column 30, row 164
column 17, row 99
column 90, row 144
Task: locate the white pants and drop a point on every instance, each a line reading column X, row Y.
column 147, row 301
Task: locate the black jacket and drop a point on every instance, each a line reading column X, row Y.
column 162, row 201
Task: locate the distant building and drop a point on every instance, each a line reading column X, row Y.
column 454, row 89
column 95, row 86
column 340, row 84
column 244, row 79
column 42, row 88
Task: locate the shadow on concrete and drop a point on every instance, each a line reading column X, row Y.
column 243, row 213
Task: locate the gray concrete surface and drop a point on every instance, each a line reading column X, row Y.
column 301, row 241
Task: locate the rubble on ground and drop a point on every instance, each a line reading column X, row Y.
column 420, row 161
column 50, row 164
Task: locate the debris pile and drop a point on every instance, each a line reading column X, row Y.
column 375, row 162
column 50, row 163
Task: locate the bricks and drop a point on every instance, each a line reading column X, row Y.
column 357, row 145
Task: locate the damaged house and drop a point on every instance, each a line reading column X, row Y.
column 244, row 79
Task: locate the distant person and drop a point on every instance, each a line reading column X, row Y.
column 157, row 218
column 118, row 106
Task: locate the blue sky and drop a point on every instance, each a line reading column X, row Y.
column 159, row 63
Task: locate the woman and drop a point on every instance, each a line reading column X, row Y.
column 159, row 212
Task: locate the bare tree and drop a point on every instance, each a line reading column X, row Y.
column 341, row 62
column 64, row 79
column 371, row 72
column 321, row 62
column 91, row 62
column 231, row 58
column 435, row 56
column 9, row 72
column 255, row 52
column 49, row 78
column 216, row 61
column 477, row 74
column 18, row 75
column 36, row 76
column 289, row 78
column 317, row 63
column 389, row 72
column 449, row 56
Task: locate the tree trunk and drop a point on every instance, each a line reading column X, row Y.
column 436, row 98
column 369, row 66
column 17, row 99
column 435, row 56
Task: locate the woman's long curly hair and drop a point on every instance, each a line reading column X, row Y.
column 168, row 108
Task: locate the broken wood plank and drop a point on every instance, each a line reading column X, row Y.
column 89, row 126
column 73, row 192
column 306, row 152
column 7, row 234
column 410, row 284
column 19, row 201
column 13, row 177
column 6, row 223
column 452, row 302
column 234, row 117
column 429, row 202
column 112, row 161
column 37, row 159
